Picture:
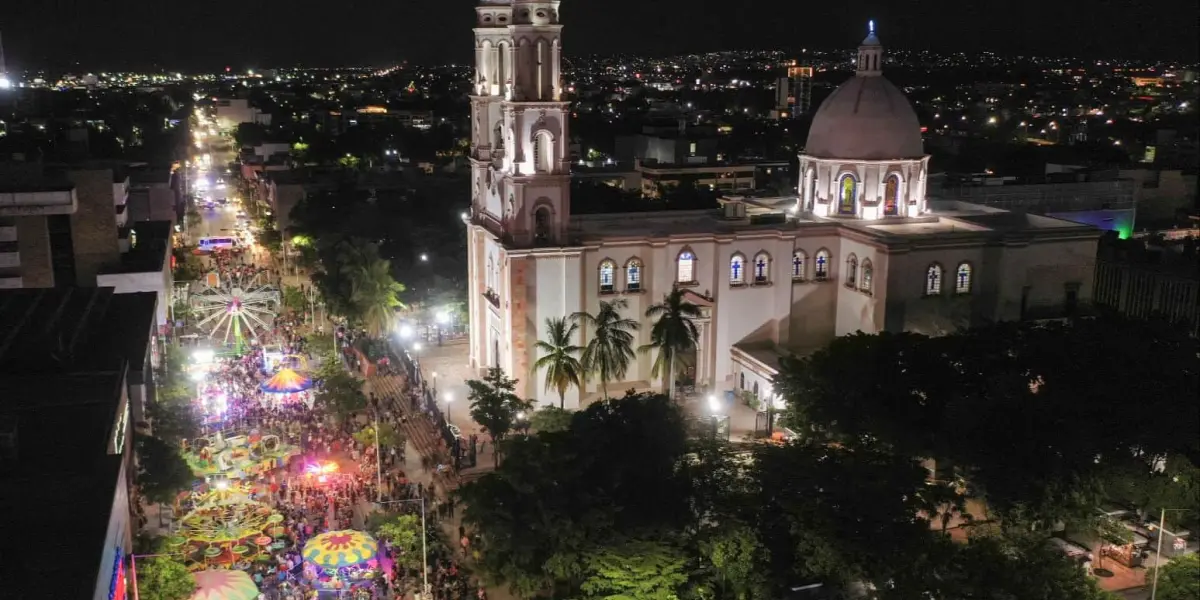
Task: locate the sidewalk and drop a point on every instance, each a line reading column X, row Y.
column 424, row 442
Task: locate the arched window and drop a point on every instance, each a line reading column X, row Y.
column 543, row 153
column 821, row 265
column 742, row 380
column 541, row 225
column 891, row 196
column 847, row 195
column 491, row 268
column 737, row 269
column 852, row 271
column 799, row 265
column 762, row 268
column 633, row 275
column 868, row 276
column 962, row 279
column 608, row 271
column 685, row 267
column 933, row 280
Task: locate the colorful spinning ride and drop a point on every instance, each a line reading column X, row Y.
column 233, row 311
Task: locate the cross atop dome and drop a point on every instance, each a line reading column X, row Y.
column 870, row 54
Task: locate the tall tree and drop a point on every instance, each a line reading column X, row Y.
column 404, row 533
column 610, row 350
column 1180, row 578
column 373, row 293
column 495, row 405
column 673, row 334
column 163, row 578
column 162, row 472
column 341, row 394
column 563, row 370
column 642, row 570
column 555, row 499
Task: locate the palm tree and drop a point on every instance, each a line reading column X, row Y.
column 372, row 290
column 374, row 296
column 610, row 350
column 673, row 334
column 563, row 370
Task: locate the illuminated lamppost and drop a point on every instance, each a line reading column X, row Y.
column 1158, row 562
column 448, row 397
column 424, row 547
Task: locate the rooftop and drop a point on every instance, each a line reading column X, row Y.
column 56, row 555
column 72, row 330
column 148, row 254
column 769, row 214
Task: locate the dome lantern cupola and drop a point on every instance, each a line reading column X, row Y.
column 870, row 54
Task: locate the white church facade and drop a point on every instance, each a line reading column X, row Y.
column 857, row 249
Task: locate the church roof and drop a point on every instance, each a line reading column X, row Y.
column 866, row 118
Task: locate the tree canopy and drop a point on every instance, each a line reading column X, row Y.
column 164, row 578
column 1044, row 420
column 616, row 501
column 1180, row 578
column 162, row 472
column 494, row 405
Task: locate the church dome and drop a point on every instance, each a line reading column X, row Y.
column 866, row 118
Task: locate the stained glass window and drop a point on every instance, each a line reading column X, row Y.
column 847, row 196
column 762, row 266
column 851, row 271
column 933, row 280
column 607, row 271
column 868, row 274
column 821, row 265
column 686, row 271
column 737, row 269
column 633, row 275
column 798, row 266
column 891, row 196
column 962, row 279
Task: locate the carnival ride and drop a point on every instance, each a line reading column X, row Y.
column 222, row 584
column 228, row 528
column 338, row 560
column 233, row 308
column 237, row 456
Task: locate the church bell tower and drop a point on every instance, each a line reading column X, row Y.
column 520, row 171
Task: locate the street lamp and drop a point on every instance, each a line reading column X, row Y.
column 424, row 549
column 714, row 408
column 434, row 382
column 1162, row 522
column 406, row 331
column 449, row 398
column 424, row 257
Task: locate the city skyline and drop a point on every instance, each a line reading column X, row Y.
column 138, row 34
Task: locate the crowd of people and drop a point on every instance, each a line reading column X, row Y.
column 334, row 483
column 336, row 480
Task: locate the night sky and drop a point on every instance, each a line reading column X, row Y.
column 209, row 34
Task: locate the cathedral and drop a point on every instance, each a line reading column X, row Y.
column 857, row 248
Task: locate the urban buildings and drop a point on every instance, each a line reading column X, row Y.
column 75, row 377
column 65, row 225
column 861, row 249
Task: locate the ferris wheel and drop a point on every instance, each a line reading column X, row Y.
column 231, row 312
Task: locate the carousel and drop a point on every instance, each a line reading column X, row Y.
column 286, row 386
column 227, row 529
column 343, row 560
column 237, row 456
